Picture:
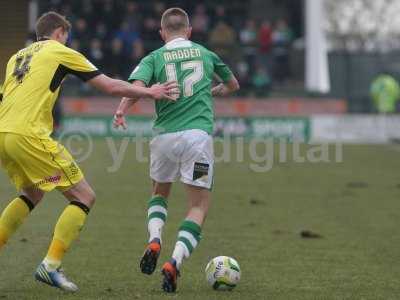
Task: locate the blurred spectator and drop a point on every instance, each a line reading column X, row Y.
column 248, row 39
column 116, row 60
column 265, row 37
column 87, row 12
column 261, row 82
column 81, row 33
column 158, row 9
column 265, row 44
column 219, row 14
column 151, row 34
column 281, row 42
column 200, row 23
column 96, row 54
column 76, row 45
column 109, row 14
column 102, row 32
column 127, row 35
column 222, row 39
column 132, row 16
column 137, row 53
column 243, row 75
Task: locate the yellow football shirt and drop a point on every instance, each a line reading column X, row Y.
column 32, row 84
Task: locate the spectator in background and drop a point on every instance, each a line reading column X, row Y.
column 81, row 33
column 109, row 14
column 102, row 32
column 116, row 59
column 243, row 75
column 137, row 54
column 248, row 39
column 265, row 37
column 127, row 35
column 219, row 14
column 76, row 45
column 158, row 9
column 150, row 33
column 200, row 23
column 87, row 12
column 282, row 37
column 222, row 40
column 96, row 54
column 265, row 43
column 132, row 16
column 261, row 82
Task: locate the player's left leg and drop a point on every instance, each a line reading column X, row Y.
column 70, row 223
column 164, row 169
column 189, row 234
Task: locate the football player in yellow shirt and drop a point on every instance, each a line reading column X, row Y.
column 34, row 162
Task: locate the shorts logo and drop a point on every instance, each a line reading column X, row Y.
column 51, row 179
column 200, row 170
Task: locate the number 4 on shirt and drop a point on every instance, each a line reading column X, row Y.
column 22, row 67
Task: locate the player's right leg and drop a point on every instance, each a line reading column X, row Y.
column 164, row 169
column 157, row 216
column 19, row 208
column 17, row 211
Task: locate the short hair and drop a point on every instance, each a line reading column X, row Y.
column 174, row 19
column 49, row 22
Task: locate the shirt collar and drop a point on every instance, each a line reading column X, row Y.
column 179, row 39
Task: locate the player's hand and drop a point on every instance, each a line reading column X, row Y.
column 167, row 90
column 218, row 90
column 119, row 121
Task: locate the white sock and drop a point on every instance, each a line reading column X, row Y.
column 180, row 252
column 155, row 227
column 157, row 215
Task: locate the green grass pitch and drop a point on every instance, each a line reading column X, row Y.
column 255, row 217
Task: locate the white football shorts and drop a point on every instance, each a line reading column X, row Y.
column 188, row 155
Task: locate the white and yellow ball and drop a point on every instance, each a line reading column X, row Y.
column 223, row 273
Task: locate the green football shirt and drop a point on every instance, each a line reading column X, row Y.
column 193, row 66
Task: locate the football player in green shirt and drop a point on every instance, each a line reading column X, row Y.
column 183, row 145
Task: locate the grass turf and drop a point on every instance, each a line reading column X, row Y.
column 255, row 217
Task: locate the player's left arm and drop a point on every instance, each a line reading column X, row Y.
column 229, row 82
column 226, row 88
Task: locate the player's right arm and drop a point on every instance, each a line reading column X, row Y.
column 140, row 77
column 73, row 62
column 125, row 104
column 229, row 82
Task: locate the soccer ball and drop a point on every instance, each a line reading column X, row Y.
column 223, row 273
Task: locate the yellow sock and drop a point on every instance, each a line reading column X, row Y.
column 12, row 217
column 67, row 229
